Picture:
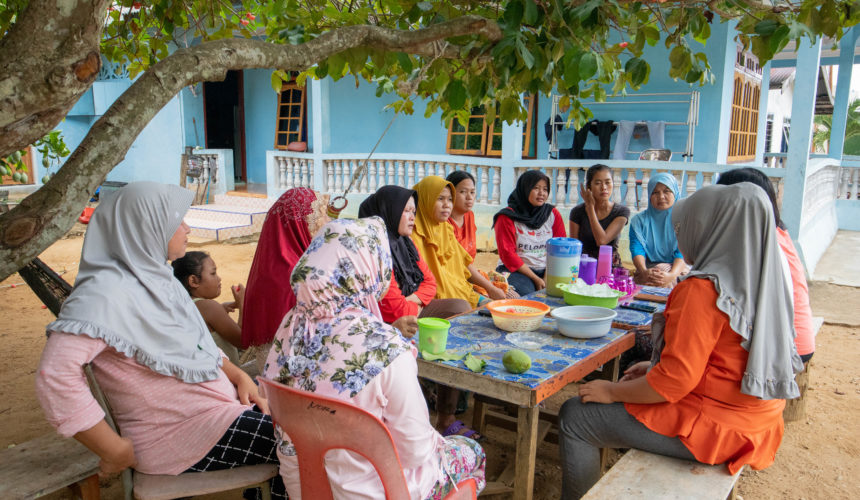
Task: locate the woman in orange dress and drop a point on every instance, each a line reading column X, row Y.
column 724, row 362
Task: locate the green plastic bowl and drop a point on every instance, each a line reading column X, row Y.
column 574, row 299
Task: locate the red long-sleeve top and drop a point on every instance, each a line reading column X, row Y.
column 394, row 305
column 507, row 235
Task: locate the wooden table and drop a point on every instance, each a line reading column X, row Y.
column 555, row 364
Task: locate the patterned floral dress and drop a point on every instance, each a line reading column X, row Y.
column 335, row 343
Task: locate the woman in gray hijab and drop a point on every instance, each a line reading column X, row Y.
column 725, row 359
column 179, row 403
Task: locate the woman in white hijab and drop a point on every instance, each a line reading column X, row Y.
column 179, row 403
column 724, row 362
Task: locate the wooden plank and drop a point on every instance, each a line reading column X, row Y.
column 584, row 367
column 524, row 478
column 642, row 475
column 495, row 488
column 44, row 465
column 510, row 392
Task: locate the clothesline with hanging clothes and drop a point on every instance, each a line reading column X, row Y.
column 692, row 117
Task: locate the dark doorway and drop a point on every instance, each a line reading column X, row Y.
column 225, row 119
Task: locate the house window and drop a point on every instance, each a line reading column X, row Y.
column 479, row 138
column 744, row 124
column 292, row 122
column 745, row 105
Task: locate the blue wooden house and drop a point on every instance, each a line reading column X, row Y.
column 260, row 143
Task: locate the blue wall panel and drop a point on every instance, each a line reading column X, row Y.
column 261, row 103
column 358, row 119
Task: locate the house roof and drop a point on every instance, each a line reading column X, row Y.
column 823, row 93
column 778, row 77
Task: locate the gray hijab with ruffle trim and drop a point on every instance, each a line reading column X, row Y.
column 728, row 233
column 125, row 293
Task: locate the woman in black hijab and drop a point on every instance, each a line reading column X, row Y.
column 522, row 230
column 413, row 287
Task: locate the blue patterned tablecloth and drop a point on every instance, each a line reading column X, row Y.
column 476, row 334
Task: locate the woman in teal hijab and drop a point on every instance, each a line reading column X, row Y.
column 653, row 244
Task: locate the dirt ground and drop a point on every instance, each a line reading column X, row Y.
column 818, row 458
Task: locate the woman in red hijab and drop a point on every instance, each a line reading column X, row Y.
column 287, row 232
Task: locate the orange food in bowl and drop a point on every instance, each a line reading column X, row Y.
column 517, row 315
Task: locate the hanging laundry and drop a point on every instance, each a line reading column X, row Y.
column 622, row 142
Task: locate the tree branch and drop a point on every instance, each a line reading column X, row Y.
column 50, row 55
column 48, row 213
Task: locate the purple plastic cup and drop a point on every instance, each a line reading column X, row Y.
column 588, row 269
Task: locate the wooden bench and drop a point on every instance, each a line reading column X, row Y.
column 47, row 464
column 642, row 475
column 795, row 409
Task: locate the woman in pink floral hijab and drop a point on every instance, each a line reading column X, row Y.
column 335, row 343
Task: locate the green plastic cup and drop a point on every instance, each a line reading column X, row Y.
column 433, row 335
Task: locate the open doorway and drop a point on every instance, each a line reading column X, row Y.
column 224, row 109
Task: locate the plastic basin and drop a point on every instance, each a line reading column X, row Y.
column 517, row 315
column 583, row 322
column 576, row 299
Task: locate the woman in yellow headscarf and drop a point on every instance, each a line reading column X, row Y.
column 450, row 264
column 452, row 267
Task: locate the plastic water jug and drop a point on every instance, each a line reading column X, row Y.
column 562, row 263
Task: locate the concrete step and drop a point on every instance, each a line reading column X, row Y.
column 227, row 213
column 220, row 230
column 245, row 200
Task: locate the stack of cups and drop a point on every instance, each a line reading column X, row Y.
column 604, row 262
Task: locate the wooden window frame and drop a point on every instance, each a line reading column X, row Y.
column 301, row 119
column 743, row 130
column 489, row 131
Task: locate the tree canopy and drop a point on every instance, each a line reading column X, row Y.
column 456, row 54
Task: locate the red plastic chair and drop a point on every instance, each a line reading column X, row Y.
column 317, row 424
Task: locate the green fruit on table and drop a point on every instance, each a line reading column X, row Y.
column 516, row 361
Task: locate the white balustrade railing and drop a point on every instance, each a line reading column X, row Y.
column 399, row 171
column 630, row 185
column 775, row 160
column 630, row 178
column 849, row 183
column 821, row 190
column 294, row 171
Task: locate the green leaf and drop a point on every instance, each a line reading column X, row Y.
column 779, row 39
column 766, row 27
column 456, row 94
column 528, row 58
column 336, row 65
column 277, row 82
column 404, row 61
column 475, row 364
column 513, row 14
column 587, row 65
column 693, row 75
column 530, row 16
column 444, row 356
column 637, row 70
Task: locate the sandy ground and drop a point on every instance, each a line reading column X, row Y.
column 818, row 458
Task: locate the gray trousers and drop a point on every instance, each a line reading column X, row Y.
column 584, row 428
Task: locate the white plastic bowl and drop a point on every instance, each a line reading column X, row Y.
column 583, row 322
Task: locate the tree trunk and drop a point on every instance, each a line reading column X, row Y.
column 50, row 212
column 50, row 57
